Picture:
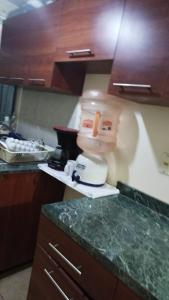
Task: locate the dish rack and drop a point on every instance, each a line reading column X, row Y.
column 16, row 157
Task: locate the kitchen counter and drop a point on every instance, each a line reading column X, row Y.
column 127, row 237
column 6, row 168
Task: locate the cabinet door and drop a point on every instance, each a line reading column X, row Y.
column 29, row 42
column 41, row 287
column 49, row 281
column 87, row 24
column 139, row 70
column 34, row 32
column 39, row 70
column 98, row 283
column 4, row 70
column 31, row 71
column 16, row 218
column 21, row 197
column 10, row 71
column 124, row 293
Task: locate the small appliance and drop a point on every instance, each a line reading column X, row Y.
column 66, row 149
column 90, row 170
column 100, row 117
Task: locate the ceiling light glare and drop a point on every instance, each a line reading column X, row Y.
column 2, row 17
column 35, row 3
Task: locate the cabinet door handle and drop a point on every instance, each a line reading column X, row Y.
column 76, row 269
column 80, row 52
column 3, row 77
column 16, row 78
column 56, row 285
column 37, row 81
column 123, row 85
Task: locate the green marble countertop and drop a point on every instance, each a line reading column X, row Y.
column 6, row 168
column 130, row 239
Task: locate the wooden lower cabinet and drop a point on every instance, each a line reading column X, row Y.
column 124, row 293
column 21, row 197
column 50, row 281
column 63, row 270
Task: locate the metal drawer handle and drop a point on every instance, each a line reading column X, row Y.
column 73, row 53
column 3, row 77
column 56, row 285
column 76, row 269
column 147, row 86
column 37, row 81
column 16, row 78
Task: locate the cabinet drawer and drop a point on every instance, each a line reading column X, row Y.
column 85, row 270
column 53, row 279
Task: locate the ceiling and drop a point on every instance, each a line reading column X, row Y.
column 10, row 8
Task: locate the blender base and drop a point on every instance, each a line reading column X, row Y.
column 77, row 179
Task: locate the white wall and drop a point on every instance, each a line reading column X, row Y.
column 143, row 134
column 0, row 32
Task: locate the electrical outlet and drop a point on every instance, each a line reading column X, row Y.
column 165, row 163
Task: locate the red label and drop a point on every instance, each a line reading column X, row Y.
column 87, row 123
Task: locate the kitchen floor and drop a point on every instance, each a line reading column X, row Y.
column 15, row 286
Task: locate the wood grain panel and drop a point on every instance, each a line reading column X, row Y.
column 142, row 51
column 33, row 33
column 41, row 287
column 124, row 293
column 89, row 24
column 22, row 195
column 98, row 283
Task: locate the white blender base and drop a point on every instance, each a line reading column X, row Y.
column 90, row 170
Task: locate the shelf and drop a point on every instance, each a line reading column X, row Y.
column 92, row 192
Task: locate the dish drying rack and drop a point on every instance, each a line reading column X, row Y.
column 23, row 156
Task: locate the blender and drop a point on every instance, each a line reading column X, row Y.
column 97, row 135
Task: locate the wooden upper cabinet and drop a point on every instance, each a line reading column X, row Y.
column 31, row 70
column 28, row 46
column 12, row 69
column 39, row 70
column 140, row 71
column 92, row 25
column 32, row 33
column 35, row 44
